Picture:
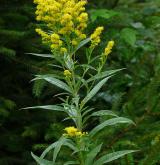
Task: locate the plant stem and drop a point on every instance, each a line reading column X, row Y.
column 80, row 154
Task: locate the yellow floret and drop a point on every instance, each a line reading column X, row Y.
column 74, row 132
column 95, row 37
column 63, row 50
column 74, row 42
column 67, row 73
column 71, row 131
column 109, row 47
column 55, row 37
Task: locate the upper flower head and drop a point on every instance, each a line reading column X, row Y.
column 109, row 47
column 63, row 19
column 95, row 37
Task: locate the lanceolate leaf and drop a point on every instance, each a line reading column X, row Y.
column 41, row 55
column 71, row 162
column 55, row 82
column 52, row 146
column 112, row 156
column 94, row 90
column 103, row 74
column 104, row 113
column 109, row 122
column 87, row 111
column 86, row 66
column 66, row 142
column 47, row 107
column 82, row 43
column 41, row 161
column 57, row 75
column 91, row 155
column 58, row 146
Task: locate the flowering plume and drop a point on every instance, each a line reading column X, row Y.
column 65, row 20
column 95, row 37
column 108, row 48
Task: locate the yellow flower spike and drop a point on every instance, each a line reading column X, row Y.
column 65, row 19
column 109, row 47
column 67, row 73
column 111, row 44
column 95, row 37
column 83, row 17
column 44, row 35
column 55, row 37
column 54, row 46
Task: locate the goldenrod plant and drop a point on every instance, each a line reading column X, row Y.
column 63, row 30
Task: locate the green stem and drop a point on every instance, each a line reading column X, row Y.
column 80, row 153
column 79, row 121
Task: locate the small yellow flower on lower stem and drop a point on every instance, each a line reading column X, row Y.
column 67, row 73
column 73, row 132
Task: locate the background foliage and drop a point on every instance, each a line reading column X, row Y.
column 134, row 93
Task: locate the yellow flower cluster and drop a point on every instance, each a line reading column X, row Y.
column 109, row 47
column 44, row 35
column 65, row 19
column 67, row 73
column 72, row 132
column 95, row 37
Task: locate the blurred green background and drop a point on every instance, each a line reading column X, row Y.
column 134, row 25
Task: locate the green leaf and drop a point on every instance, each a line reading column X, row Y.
column 83, row 81
column 99, row 113
column 109, row 122
column 68, row 61
column 87, row 111
column 47, row 107
column 129, row 36
column 94, row 90
column 52, row 146
column 58, row 146
column 82, row 43
column 112, row 156
column 57, row 75
column 41, row 55
column 72, row 112
column 86, row 66
column 41, row 161
column 91, row 155
column 71, row 145
column 71, row 162
column 104, row 13
column 103, row 74
column 55, row 82
column 104, row 113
